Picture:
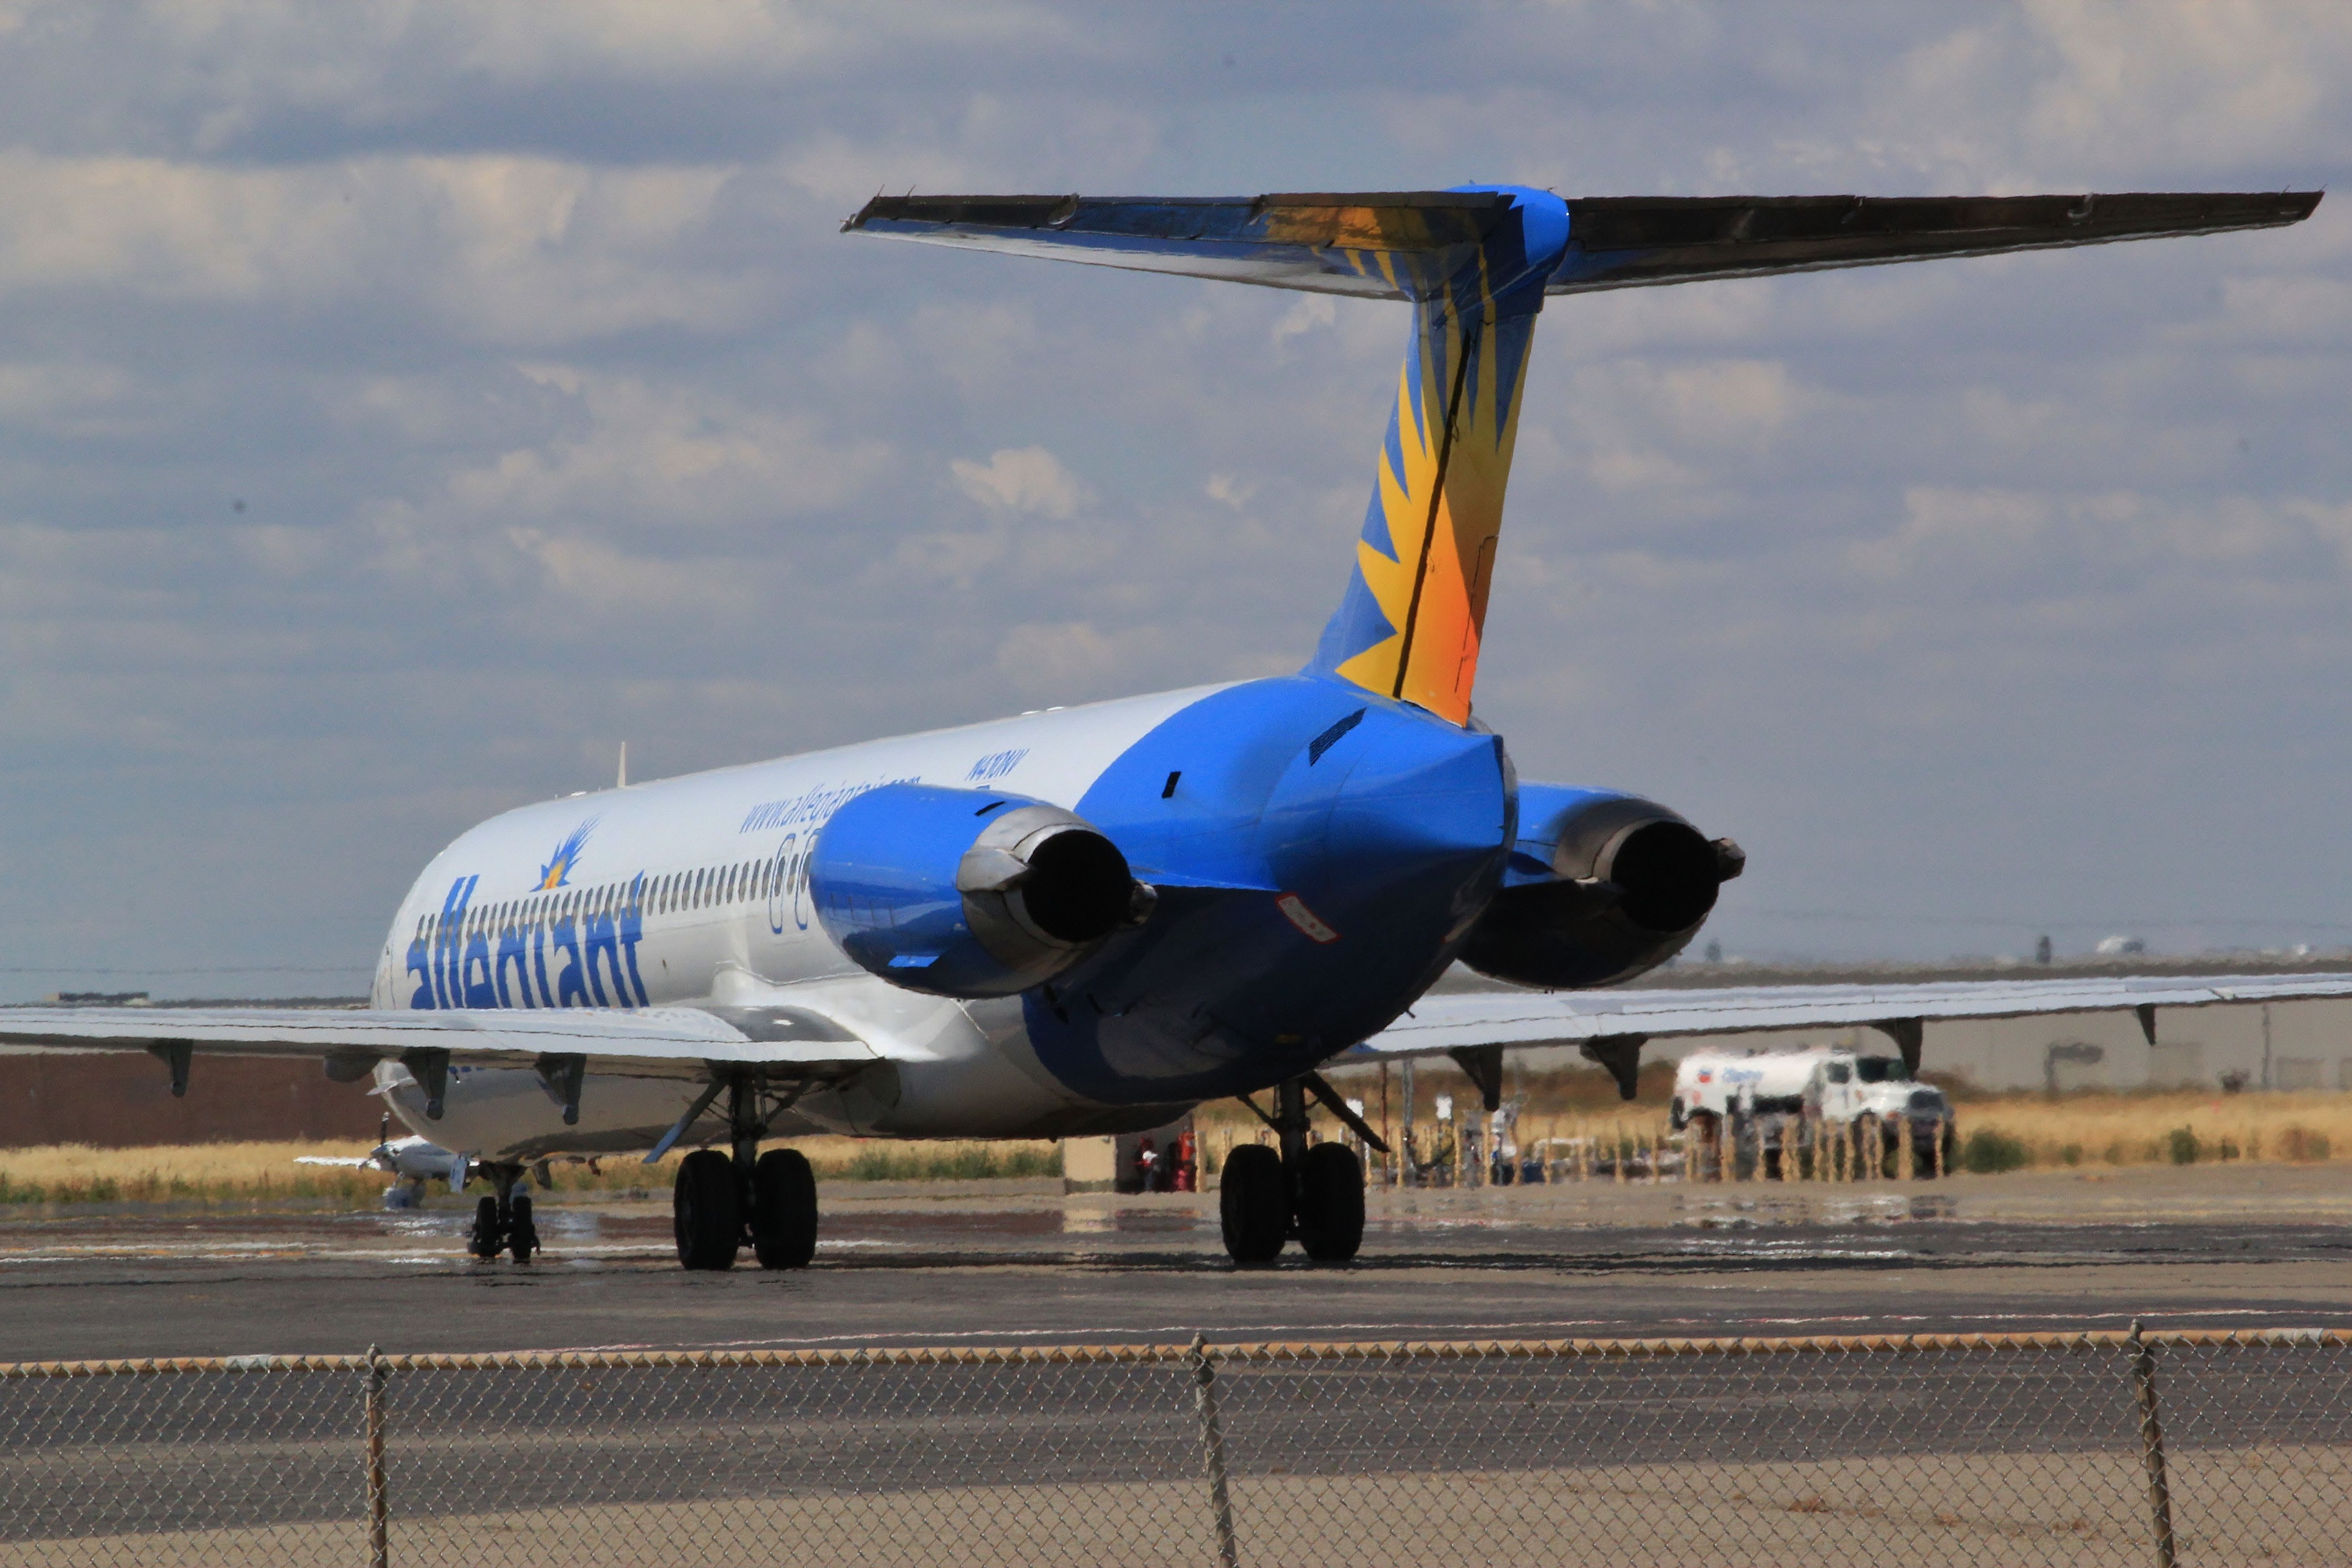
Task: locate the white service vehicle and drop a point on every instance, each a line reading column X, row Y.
column 1804, row 1099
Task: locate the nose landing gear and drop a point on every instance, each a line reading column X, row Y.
column 724, row 1202
column 1313, row 1194
column 502, row 1222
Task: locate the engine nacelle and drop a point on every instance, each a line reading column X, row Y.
column 967, row 892
column 1600, row 888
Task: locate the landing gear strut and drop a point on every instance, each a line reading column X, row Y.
column 1315, row 1193
column 502, row 1220
column 726, row 1200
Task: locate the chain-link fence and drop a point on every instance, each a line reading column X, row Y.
column 2189, row 1447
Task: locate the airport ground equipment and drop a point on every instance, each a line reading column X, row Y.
column 1800, row 1105
column 1088, row 919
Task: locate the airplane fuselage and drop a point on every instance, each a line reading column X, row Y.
column 1318, row 853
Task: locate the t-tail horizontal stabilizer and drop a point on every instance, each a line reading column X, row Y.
column 1477, row 263
column 1375, row 244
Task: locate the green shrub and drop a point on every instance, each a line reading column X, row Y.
column 1986, row 1152
column 2180, row 1146
column 2301, row 1143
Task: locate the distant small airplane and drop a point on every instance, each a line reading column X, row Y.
column 1088, row 919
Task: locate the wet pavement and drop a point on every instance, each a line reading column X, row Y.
column 1019, row 1261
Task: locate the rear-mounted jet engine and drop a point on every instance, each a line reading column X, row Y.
column 968, row 892
column 1601, row 886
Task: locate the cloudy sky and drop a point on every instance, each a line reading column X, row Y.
column 402, row 404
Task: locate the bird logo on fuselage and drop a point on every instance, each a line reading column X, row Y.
column 557, row 872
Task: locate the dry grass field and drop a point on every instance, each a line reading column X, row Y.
column 1998, row 1132
column 251, row 1173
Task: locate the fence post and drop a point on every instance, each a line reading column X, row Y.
column 2151, row 1444
column 1213, row 1450
column 379, row 1498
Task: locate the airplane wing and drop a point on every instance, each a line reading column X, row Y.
column 1382, row 243
column 660, row 1042
column 1610, row 1027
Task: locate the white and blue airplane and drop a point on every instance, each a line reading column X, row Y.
column 1089, row 919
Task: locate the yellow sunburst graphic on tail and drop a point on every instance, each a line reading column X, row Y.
column 1426, row 560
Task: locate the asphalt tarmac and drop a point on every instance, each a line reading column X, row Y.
column 1003, row 1263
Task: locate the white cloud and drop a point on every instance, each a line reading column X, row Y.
column 511, row 249
column 1024, row 479
column 1227, row 491
column 1310, row 312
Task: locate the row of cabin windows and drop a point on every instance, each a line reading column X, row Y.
column 701, row 889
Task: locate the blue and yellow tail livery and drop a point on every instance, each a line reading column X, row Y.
column 1476, row 264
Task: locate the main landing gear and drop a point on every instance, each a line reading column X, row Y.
column 502, row 1222
column 725, row 1201
column 1315, row 1193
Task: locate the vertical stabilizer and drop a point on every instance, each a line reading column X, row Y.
column 1416, row 605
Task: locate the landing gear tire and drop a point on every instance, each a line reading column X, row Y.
column 522, row 1236
column 1254, row 1202
column 486, row 1240
column 783, row 1210
column 706, row 1211
column 1330, row 1202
